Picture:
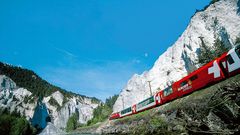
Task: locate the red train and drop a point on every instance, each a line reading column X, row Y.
column 217, row 70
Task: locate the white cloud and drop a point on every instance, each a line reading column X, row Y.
column 67, row 53
column 137, row 61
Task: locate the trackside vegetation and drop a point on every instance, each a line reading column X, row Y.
column 72, row 122
column 100, row 114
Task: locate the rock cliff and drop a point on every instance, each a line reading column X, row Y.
column 60, row 109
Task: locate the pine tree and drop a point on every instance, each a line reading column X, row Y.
column 219, row 48
column 206, row 54
column 237, row 41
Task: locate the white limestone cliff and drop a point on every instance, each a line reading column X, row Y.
column 220, row 20
column 22, row 100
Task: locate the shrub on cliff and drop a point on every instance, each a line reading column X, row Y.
column 72, row 122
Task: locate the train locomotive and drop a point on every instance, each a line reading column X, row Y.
column 225, row 66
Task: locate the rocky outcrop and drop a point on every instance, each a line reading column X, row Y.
column 220, row 20
column 59, row 107
column 52, row 130
column 82, row 106
column 14, row 98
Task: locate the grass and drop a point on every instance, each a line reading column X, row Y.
column 86, row 129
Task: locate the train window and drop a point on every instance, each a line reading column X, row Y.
column 194, row 78
column 230, row 59
column 129, row 109
column 145, row 102
column 167, row 91
column 183, row 83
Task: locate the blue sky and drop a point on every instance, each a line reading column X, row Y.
column 91, row 47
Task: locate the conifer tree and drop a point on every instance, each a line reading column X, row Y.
column 208, row 54
column 205, row 53
column 219, row 48
column 237, row 41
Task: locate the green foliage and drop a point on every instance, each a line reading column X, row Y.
column 207, row 53
column 103, row 111
column 95, row 100
column 100, row 114
column 20, row 125
column 111, row 101
column 219, row 48
column 213, row 1
column 11, row 124
column 72, row 122
column 237, row 40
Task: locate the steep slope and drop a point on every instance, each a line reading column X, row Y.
column 219, row 20
column 21, row 95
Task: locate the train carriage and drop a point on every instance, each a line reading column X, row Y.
column 204, row 76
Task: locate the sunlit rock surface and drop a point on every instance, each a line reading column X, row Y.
column 21, row 100
column 52, row 130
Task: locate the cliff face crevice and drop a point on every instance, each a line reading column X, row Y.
column 220, row 20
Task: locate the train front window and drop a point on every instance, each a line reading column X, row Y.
column 167, row 91
column 230, row 59
column 238, row 51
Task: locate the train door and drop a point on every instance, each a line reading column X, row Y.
column 158, row 98
column 168, row 94
column 224, row 66
column 134, row 109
